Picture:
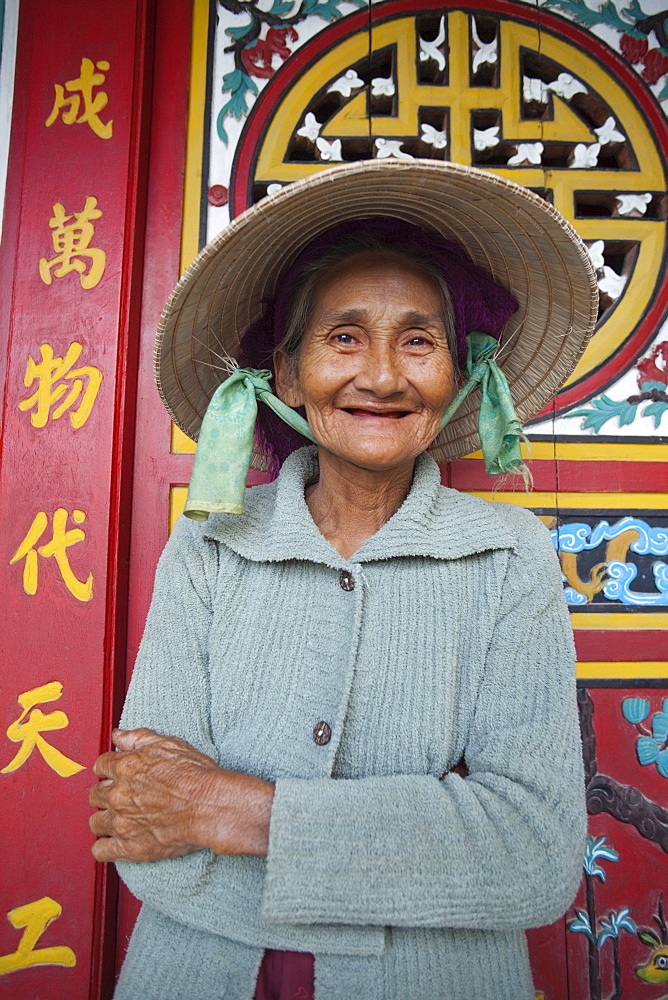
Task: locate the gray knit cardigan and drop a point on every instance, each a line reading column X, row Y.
column 454, row 641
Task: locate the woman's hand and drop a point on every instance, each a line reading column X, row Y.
column 161, row 798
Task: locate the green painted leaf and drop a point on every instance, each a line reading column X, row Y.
column 326, row 9
column 604, row 409
column 239, row 84
column 232, row 81
column 634, row 11
column 220, row 128
column 240, row 31
column 250, row 82
column 649, row 938
column 579, row 11
column 655, row 410
column 238, row 106
column 610, row 16
column 627, row 412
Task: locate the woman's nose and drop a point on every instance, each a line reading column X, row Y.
column 380, row 371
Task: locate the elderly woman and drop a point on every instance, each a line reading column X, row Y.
column 350, row 747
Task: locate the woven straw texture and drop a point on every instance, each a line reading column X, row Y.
column 524, row 242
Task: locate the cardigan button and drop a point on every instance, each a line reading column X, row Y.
column 322, row 733
column 346, row 580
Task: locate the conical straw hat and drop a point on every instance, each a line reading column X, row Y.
column 524, row 242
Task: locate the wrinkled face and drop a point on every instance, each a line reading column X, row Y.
column 374, row 370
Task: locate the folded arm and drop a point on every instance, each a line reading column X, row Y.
column 501, row 848
column 165, row 806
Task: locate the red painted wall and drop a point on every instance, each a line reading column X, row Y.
column 64, row 632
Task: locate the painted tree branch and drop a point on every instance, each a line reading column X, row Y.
column 624, row 803
column 657, row 24
column 586, row 710
column 628, row 805
column 656, row 395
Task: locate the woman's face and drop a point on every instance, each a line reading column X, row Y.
column 374, row 371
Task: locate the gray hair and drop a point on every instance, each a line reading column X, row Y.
column 301, row 304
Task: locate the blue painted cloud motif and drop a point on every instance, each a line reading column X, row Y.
column 578, row 536
column 613, row 576
column 621, row 576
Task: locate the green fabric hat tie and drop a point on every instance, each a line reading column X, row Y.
column 499, row 427
column 222, row 460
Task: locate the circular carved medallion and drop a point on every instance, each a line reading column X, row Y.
column 502, row 86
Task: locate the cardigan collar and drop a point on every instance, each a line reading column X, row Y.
column 433, row 521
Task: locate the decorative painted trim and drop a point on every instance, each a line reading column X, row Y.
column 578, row 501
column 625, row 803
column 635, row 28
column 192, row 191
column 624, row 620
column 652, row 382
column 626, row 670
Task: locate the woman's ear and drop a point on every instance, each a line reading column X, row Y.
column 287, row 379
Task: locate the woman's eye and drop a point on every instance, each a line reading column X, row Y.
column 344, row 338
column 418, row 341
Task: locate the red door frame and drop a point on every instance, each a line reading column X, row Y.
column 45, row 837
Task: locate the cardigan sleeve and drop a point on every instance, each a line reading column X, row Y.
column 501, row 848
column 169, row 690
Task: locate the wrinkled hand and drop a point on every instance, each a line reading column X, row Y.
column 162, row 798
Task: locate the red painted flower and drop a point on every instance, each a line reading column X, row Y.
column 650, row 370
column 218, row 195
column 276, row 40
column 257, row 60
column 633, row 49
column 655, row 65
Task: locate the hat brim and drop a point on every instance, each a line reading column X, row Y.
column 524, row 242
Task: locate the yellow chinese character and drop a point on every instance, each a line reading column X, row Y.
column 35, row 917
column 92, row 105
column 57, row 547
column 49, row 371
column 71, row 241
column 27, row 733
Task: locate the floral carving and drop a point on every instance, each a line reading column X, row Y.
column 651, row 745
column 432, row 50
column 265, row 38
column 652, row 382
column 636, row 28
column 626, row 804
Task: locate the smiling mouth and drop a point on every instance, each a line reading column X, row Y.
column 356, row 411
